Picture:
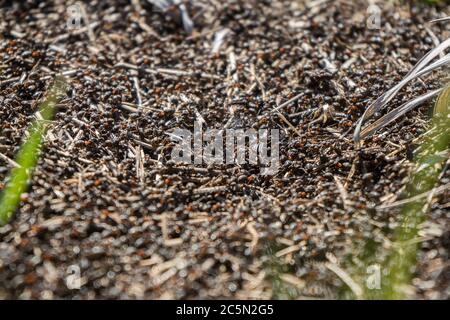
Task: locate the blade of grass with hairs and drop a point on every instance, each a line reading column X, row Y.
column 28, row 154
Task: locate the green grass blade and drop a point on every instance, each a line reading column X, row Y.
column 403, row 257
column 28, row 154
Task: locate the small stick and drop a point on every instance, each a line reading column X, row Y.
column 75, row 32
column 140, row 158
column 165, row 233
column 136, row 5
column 90, row 30
column 137, row 89
column 166, row 71
column 255, row 237
column 356, row 289
column 285, row 120
column 290, row 249
column 281, row 106
column 10, row 161
column 129, row 108
column 434, row 191
column 342, row 191
column 258, row 81
column 10, row 80
column 206, row 190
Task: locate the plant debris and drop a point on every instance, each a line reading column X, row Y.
column 106, row 200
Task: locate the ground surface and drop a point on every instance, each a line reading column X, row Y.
column 105, row 197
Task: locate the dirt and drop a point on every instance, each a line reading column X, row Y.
column 106, row 200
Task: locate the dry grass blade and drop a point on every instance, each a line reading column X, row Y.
column 396, row 113
column 440, row 20
column 418, row 70
column 345, row 277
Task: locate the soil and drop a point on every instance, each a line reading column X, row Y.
column 105, row 197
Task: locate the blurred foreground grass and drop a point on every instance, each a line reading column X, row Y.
column 396, row 263
column 397, row 268
column 28, row 154
column 430, row 161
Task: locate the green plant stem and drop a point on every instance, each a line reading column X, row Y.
column 28, row 154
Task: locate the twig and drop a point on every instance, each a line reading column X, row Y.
column 90, row 30
column 172, row 72
column 165, row 233
column 137, row 89
column 10, row 161
column 290, row 249
column 434, row 191
column 255, row 237
column 342, row 191
column 281, row 106
column 356, row 289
